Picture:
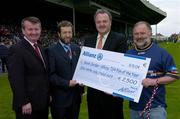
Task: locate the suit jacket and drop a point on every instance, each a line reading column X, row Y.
column 28, row 76
column 114, row 42
column 61, row 72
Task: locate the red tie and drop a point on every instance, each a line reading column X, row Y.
column 100, row 44
column 37, row 50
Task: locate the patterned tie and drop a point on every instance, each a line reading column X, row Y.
column 68, row 51
column 100, row 44
column 149, row 104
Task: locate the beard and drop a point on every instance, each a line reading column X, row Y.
column 142, row 43
column 65, row 41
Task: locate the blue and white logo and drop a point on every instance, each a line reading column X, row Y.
column 89, row 54
column 99, row 56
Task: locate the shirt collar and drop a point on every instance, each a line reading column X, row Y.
column 65, row 46
column 144, row 49
column 32, row 44
column 104, row 36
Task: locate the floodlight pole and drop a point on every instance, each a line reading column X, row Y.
column 74, row 21
column 156, row 32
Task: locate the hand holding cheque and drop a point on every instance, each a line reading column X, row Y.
column 115, row 73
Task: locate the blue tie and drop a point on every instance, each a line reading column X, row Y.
column 68, row 51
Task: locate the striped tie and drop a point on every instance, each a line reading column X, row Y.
column 149, row 104
column 68, row 51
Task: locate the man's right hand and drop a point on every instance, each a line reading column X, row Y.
column 149, row 82
column 72, row 83
column 27, row 109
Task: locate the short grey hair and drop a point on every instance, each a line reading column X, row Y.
column 103, row 11
column 31, row 19
column 145, row 23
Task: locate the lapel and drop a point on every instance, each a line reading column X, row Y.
column 75, row 55
column 108, row 42
column 28, row 47
column 94, row 40
column 43, row 55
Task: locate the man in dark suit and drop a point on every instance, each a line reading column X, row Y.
column 28, row 74
column 100, row 104
column 65, row 92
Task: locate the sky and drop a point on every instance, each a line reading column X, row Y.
column 171, row 24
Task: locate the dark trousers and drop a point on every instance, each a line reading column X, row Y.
column 104, row 106
column 41, row 114
column 71, row 112
column 4, row 64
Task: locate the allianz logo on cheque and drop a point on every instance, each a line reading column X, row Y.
column 98, row 56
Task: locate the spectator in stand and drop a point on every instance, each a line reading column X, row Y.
column 3, row 56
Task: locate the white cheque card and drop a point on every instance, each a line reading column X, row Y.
column 115, row 73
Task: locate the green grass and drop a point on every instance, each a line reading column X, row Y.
column 173, row 90
column 5, row 99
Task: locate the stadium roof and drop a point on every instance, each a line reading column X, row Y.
column 129, row 11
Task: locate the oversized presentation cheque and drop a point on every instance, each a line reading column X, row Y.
column 115, row 73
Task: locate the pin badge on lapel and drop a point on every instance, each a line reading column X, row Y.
column 74, row 53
